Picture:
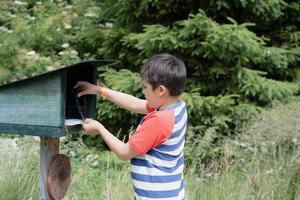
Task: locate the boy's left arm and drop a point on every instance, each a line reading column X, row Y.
column 121, row 149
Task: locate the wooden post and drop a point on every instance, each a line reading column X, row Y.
column 49, row 147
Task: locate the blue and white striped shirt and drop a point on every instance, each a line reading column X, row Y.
column 158, row 173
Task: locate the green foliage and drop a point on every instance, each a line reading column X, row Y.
column 243, row 115
column 269, row 10
column 264, row 135
column 239, row 54
column 263, row 90
column 134, row 14
column 156, row 38
column 132, row 84
column 209, row 111
column 222, row 48
column 36, row 39
column 221, row 119
column 7, row 52
column 201, row 143
column 109, row 113
column 232, row 42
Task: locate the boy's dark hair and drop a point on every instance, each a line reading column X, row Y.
column 167, row 70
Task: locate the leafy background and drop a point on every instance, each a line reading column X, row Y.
column 241, row 56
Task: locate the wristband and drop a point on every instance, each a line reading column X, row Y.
column 104, row 92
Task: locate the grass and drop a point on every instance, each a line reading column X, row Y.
column 18, row 172
column 98, row 175
column 261, row 164
column 268, row 179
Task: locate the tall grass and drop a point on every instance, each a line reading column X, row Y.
column 263, row 177
column 263, row 163
column 99, row 176
column 19, row 175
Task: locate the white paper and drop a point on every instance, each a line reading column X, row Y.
column 72, row 122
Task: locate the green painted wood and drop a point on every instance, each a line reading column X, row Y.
column 36, row 102
column 43, row 131
column 63, row 98
column 39, row 105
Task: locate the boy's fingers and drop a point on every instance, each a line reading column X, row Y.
column 82, row 93
column 86, row 121
column 79, row 84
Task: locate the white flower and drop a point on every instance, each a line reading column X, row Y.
column 65, row 45
column 4, row 29
column 270, row 171
column 74, row 52
column 90, row 14
column 89, row 157
column 240, row 143
column 108, row 25
column 31, row 53
column 31, row 18
column 72, row 153
column 95, row 163
column 11, row 15
column 50, row 68
column 61, row 53
column 67, row 26
column 20, row 3
column 294, row 140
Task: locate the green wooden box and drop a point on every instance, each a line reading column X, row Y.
column 40, row 105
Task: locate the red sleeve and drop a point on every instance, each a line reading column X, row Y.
column 154, row 131
column 148, row 108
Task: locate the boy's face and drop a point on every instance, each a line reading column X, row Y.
column 152, row 96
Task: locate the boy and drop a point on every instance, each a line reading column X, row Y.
column 156, row 147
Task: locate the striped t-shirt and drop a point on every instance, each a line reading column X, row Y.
column 157, row 172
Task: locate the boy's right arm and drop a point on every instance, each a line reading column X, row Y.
column 123, row 100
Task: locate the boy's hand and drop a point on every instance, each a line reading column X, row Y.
column 87, row 88
column 91, row 127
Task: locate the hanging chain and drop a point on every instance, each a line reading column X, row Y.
column 80, row 109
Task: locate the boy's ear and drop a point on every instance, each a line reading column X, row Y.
column 163, row 90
